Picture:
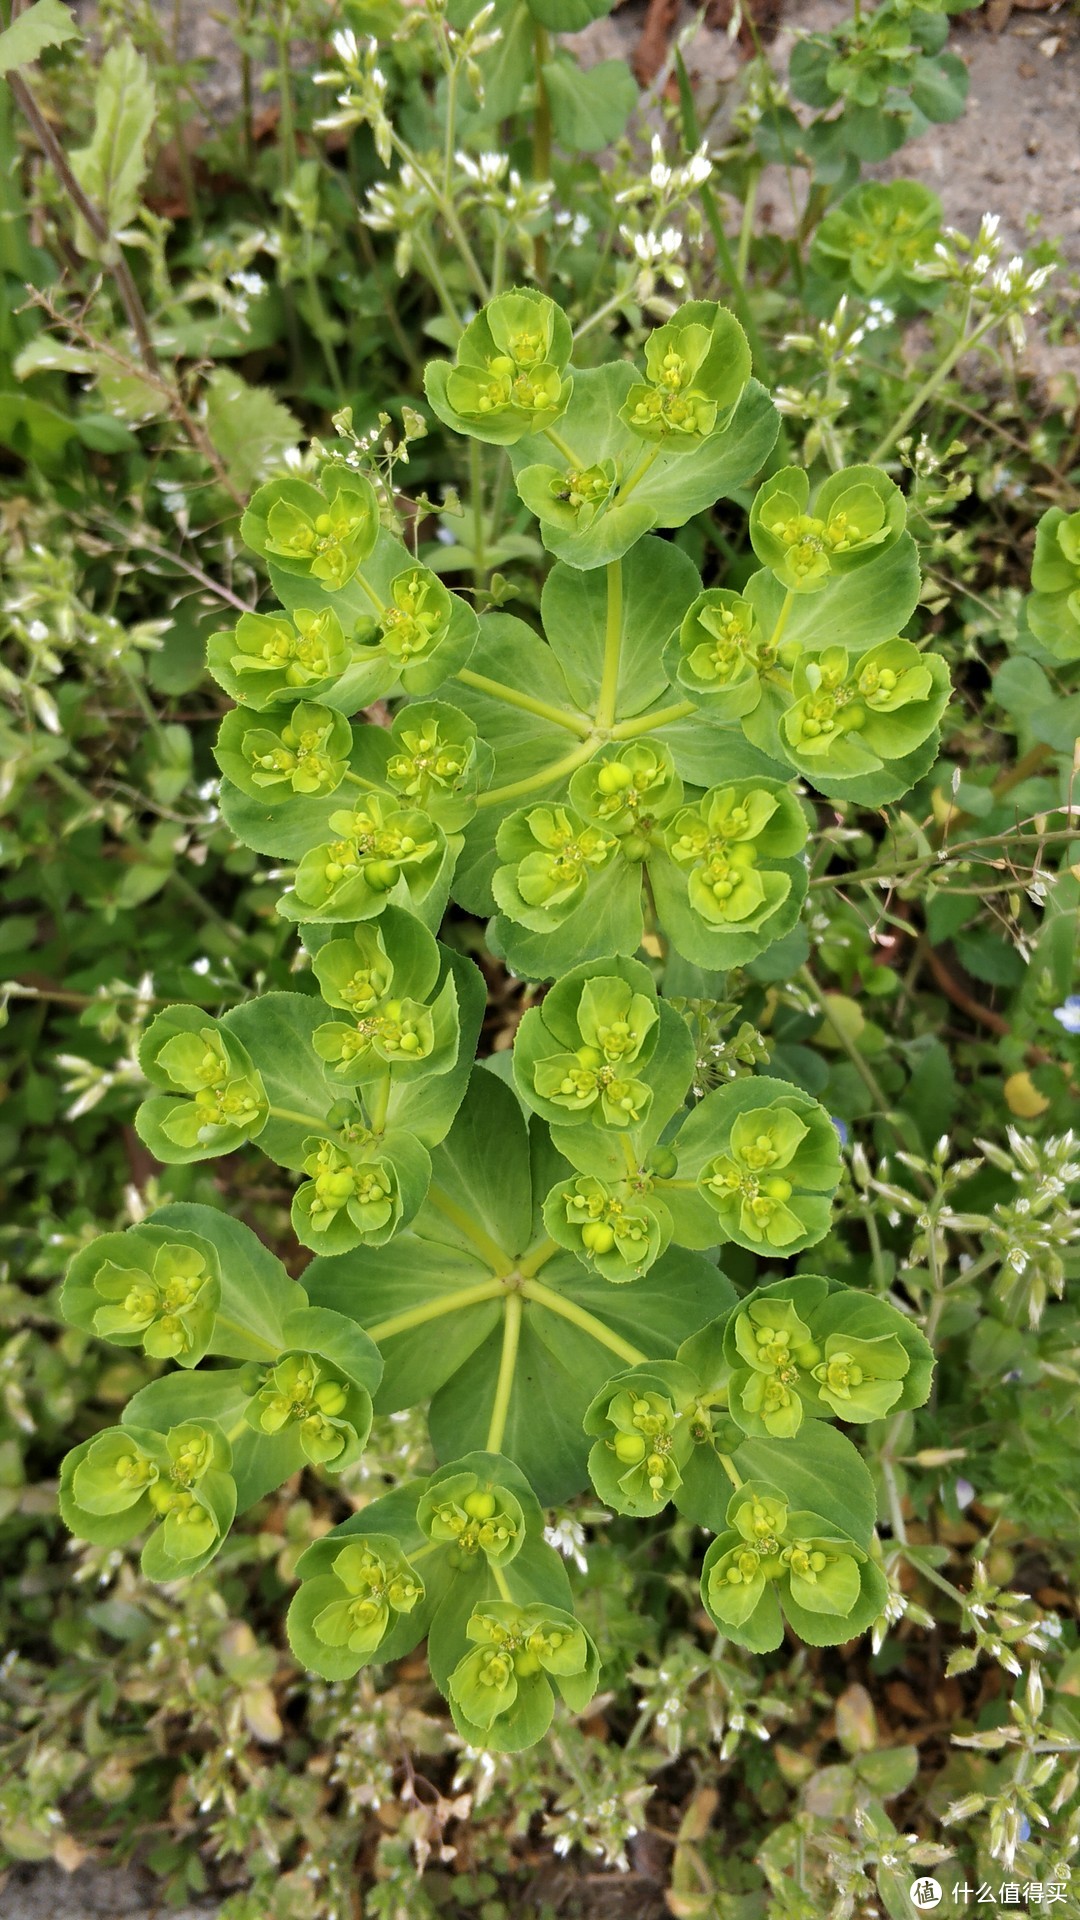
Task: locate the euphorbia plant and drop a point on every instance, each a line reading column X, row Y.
column 531, row 1246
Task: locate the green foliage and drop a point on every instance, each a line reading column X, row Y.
column 692, row 781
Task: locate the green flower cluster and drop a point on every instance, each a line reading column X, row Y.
column 384, row 977
column 472, row 1514
column 305, row 752
column 129, row 1478
column 797, row 1351
column 724, row 849
column 772, row 1185
column 881, row 237
column 581, row 1054
column 645, row 1423
column 509, row 377
column 330, row 1412
column 222, row 1098
column 414, row 620
column 856, row 515
column 522, row 1657
column 271, row 658
column 773, row 1560
column 381, row 846
column 851, row 716
column 370, row 1586
column 618, row 1228
column 149, row 1287
column 696, row 368
column 356, row 1179
column 320, row 534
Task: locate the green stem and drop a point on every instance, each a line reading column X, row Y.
column 746, row 229
column 648, row 723
column 435, row 1309
column 465, row 1224
column 498, row 690
column 446, row 207
column 609, row 682
column 530, row 1263
column 378, row 1103
column 301, row 1120
column 637, row 475
column 503, row 1585
column 963, row 344
column 782, row 618
column 535, row 782
column 429, row 261
column 541, row 150
column 560, row 446
column 476, row 488
column 547, row 1297
column 730, row 1469
column 504, row 1386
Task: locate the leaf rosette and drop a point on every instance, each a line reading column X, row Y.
column 149, row 1286
column 502, row 1694
column 321, row 533
column 127, row 1478
column 857, row 514
column 772, row 1562
column 509, row 378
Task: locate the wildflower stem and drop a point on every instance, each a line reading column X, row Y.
column 578, row 1317
column 476, row 488
column 535, row 782
column 560, row 446
column 513, row 697
column 963, row 344
column 782, row 618
column 296, row 1118
column 730, row 1469
column 504, row 1386
column 609, row 682
column 436, row 1309
column 489, row 1250
column 649, row 722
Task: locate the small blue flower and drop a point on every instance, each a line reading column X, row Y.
column 1069, row 1014
column 841, row 1125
